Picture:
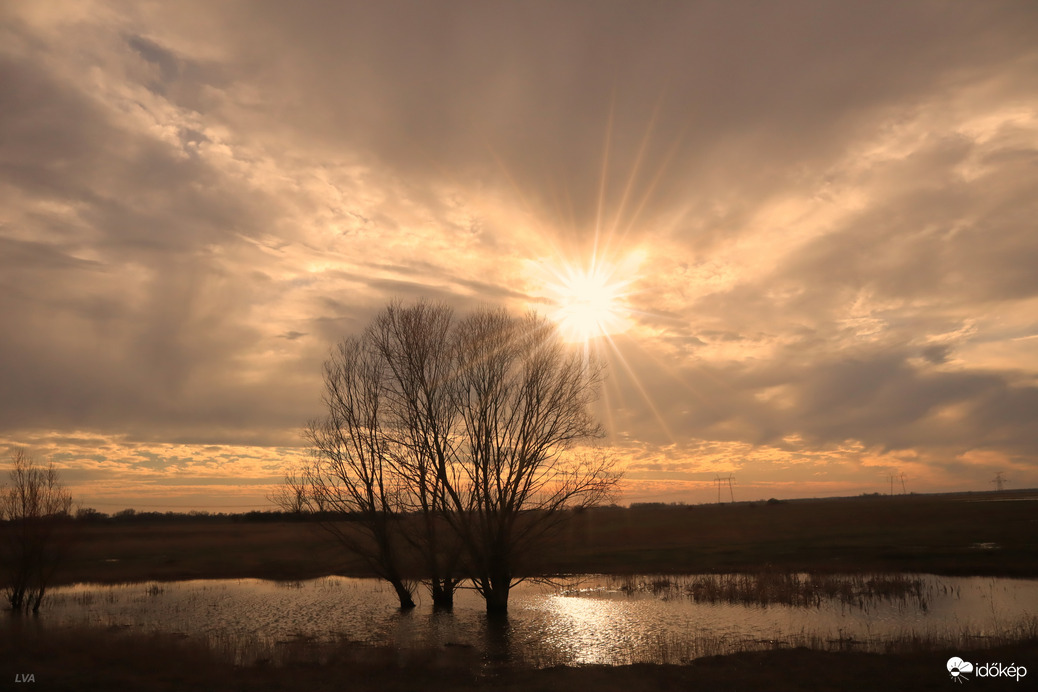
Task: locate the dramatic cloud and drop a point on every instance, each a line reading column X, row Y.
column 822, row 216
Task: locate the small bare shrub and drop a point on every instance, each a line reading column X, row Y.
column 34, row 506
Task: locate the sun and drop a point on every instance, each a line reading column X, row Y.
column 589, row 302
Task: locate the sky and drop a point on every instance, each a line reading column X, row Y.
column 810, row 228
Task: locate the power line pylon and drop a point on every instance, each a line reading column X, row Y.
column 720, row 483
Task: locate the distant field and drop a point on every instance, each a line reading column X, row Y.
column 976, row 533
column 982, row 533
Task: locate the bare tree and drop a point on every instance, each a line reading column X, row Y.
column 414, row 343
column 291, row 495
column 453, row 440
column 524, row 401
column 351, row 473
column 33, row 508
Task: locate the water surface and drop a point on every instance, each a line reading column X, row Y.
column 591, row 619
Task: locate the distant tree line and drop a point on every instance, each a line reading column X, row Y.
column 89, row 515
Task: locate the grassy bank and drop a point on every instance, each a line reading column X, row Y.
column 79, row 659
column 984, row 534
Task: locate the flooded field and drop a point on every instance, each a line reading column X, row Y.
column 590, row 619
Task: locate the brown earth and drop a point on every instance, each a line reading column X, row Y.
column 86, row 660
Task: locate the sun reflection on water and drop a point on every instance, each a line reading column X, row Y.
column 587, row 630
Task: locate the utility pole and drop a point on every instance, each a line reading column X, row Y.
column 731, row 493
column 904, row 490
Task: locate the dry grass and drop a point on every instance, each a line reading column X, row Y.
column 939, row 534
column 82, row 659
column 167, row 551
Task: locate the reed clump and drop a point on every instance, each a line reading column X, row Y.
column 768, row 587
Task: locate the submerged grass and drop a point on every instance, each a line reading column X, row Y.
column 685, row 649
column 254, row 650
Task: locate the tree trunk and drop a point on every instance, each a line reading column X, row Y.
column 497, row 602
column 442, row 594
column 16, row 598
column 495, row 592
column 403, row 593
